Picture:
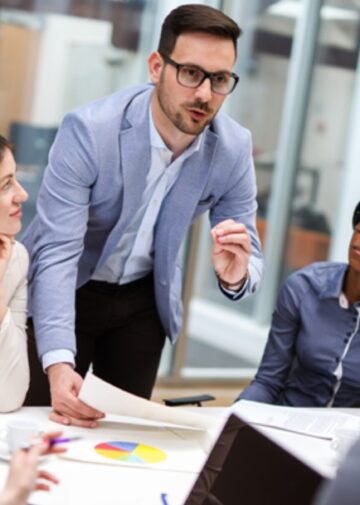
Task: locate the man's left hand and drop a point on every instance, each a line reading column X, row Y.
column 231, row 252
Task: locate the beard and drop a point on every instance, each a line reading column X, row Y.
column 180, row 119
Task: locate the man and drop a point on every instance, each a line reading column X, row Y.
column 127, row 176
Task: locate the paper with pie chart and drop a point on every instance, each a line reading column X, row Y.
column 165, row 451
column 132, row 452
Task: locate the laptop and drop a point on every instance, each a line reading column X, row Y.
column 247, row 468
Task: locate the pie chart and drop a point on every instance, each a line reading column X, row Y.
column 130, row 452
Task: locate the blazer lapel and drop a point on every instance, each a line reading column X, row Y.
column 179, row 206
column 135, row 154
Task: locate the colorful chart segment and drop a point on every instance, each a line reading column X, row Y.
column 130, row 452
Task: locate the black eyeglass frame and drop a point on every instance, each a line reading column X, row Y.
column 207, row 75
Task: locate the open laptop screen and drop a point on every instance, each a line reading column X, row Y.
column 247, row 468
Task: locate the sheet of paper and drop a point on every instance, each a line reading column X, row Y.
column 107, row 398
column 317, row 453
column 324, row 424
column 151, row 450
column 83, row 483
column 138, row 421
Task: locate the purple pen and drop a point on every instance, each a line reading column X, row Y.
column 62, row 440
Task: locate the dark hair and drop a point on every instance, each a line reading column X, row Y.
column 4, row 144
column 356, row 216
column 196, row 18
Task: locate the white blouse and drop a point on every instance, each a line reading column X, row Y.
column 14, row 364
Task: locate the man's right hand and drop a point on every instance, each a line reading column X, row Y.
column 65, row 386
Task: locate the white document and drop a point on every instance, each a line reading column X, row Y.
column 324, row 424
column 110, row 399
column 157, row 449
column 317, row 453
column 82, row 483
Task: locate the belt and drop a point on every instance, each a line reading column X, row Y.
column 119, row 289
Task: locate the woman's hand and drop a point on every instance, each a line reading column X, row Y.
column 24, row 474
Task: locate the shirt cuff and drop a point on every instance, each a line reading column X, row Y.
column 235, row 294
column 58, row 356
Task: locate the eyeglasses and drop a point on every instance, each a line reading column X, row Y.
column 192, row 76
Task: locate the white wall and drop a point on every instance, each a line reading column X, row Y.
column 261, row 98
column 78, row 64
column 60, row 33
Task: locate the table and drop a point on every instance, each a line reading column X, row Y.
column 90, row 484
column 84, row 483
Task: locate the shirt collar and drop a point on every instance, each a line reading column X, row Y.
column 334, row 286
column 157, row 142
column 334, row 282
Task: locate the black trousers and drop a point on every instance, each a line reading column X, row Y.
column 118, row 330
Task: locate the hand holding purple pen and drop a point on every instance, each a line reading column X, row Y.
column 54, row 439
column 24, row 474
column 61, row 440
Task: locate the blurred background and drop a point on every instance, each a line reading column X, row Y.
column 299, row 94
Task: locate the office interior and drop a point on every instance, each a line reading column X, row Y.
column 299, row 94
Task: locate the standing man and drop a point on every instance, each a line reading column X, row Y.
column 127, row 176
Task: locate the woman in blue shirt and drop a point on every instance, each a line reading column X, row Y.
column 312, row 357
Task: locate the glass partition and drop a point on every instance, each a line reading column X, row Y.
column 58, row 55
column 54, row 57
column 223, row 334
column 315, row 202
column 226, row 339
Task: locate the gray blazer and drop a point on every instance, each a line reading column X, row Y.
column 345, row 488
column 92, row 186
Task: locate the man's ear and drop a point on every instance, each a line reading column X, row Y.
column 155, row 65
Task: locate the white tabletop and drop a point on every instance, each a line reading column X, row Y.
column 92, row 484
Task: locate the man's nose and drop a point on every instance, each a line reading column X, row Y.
column 203, row 92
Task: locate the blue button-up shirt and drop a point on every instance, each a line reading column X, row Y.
column 312, row 357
